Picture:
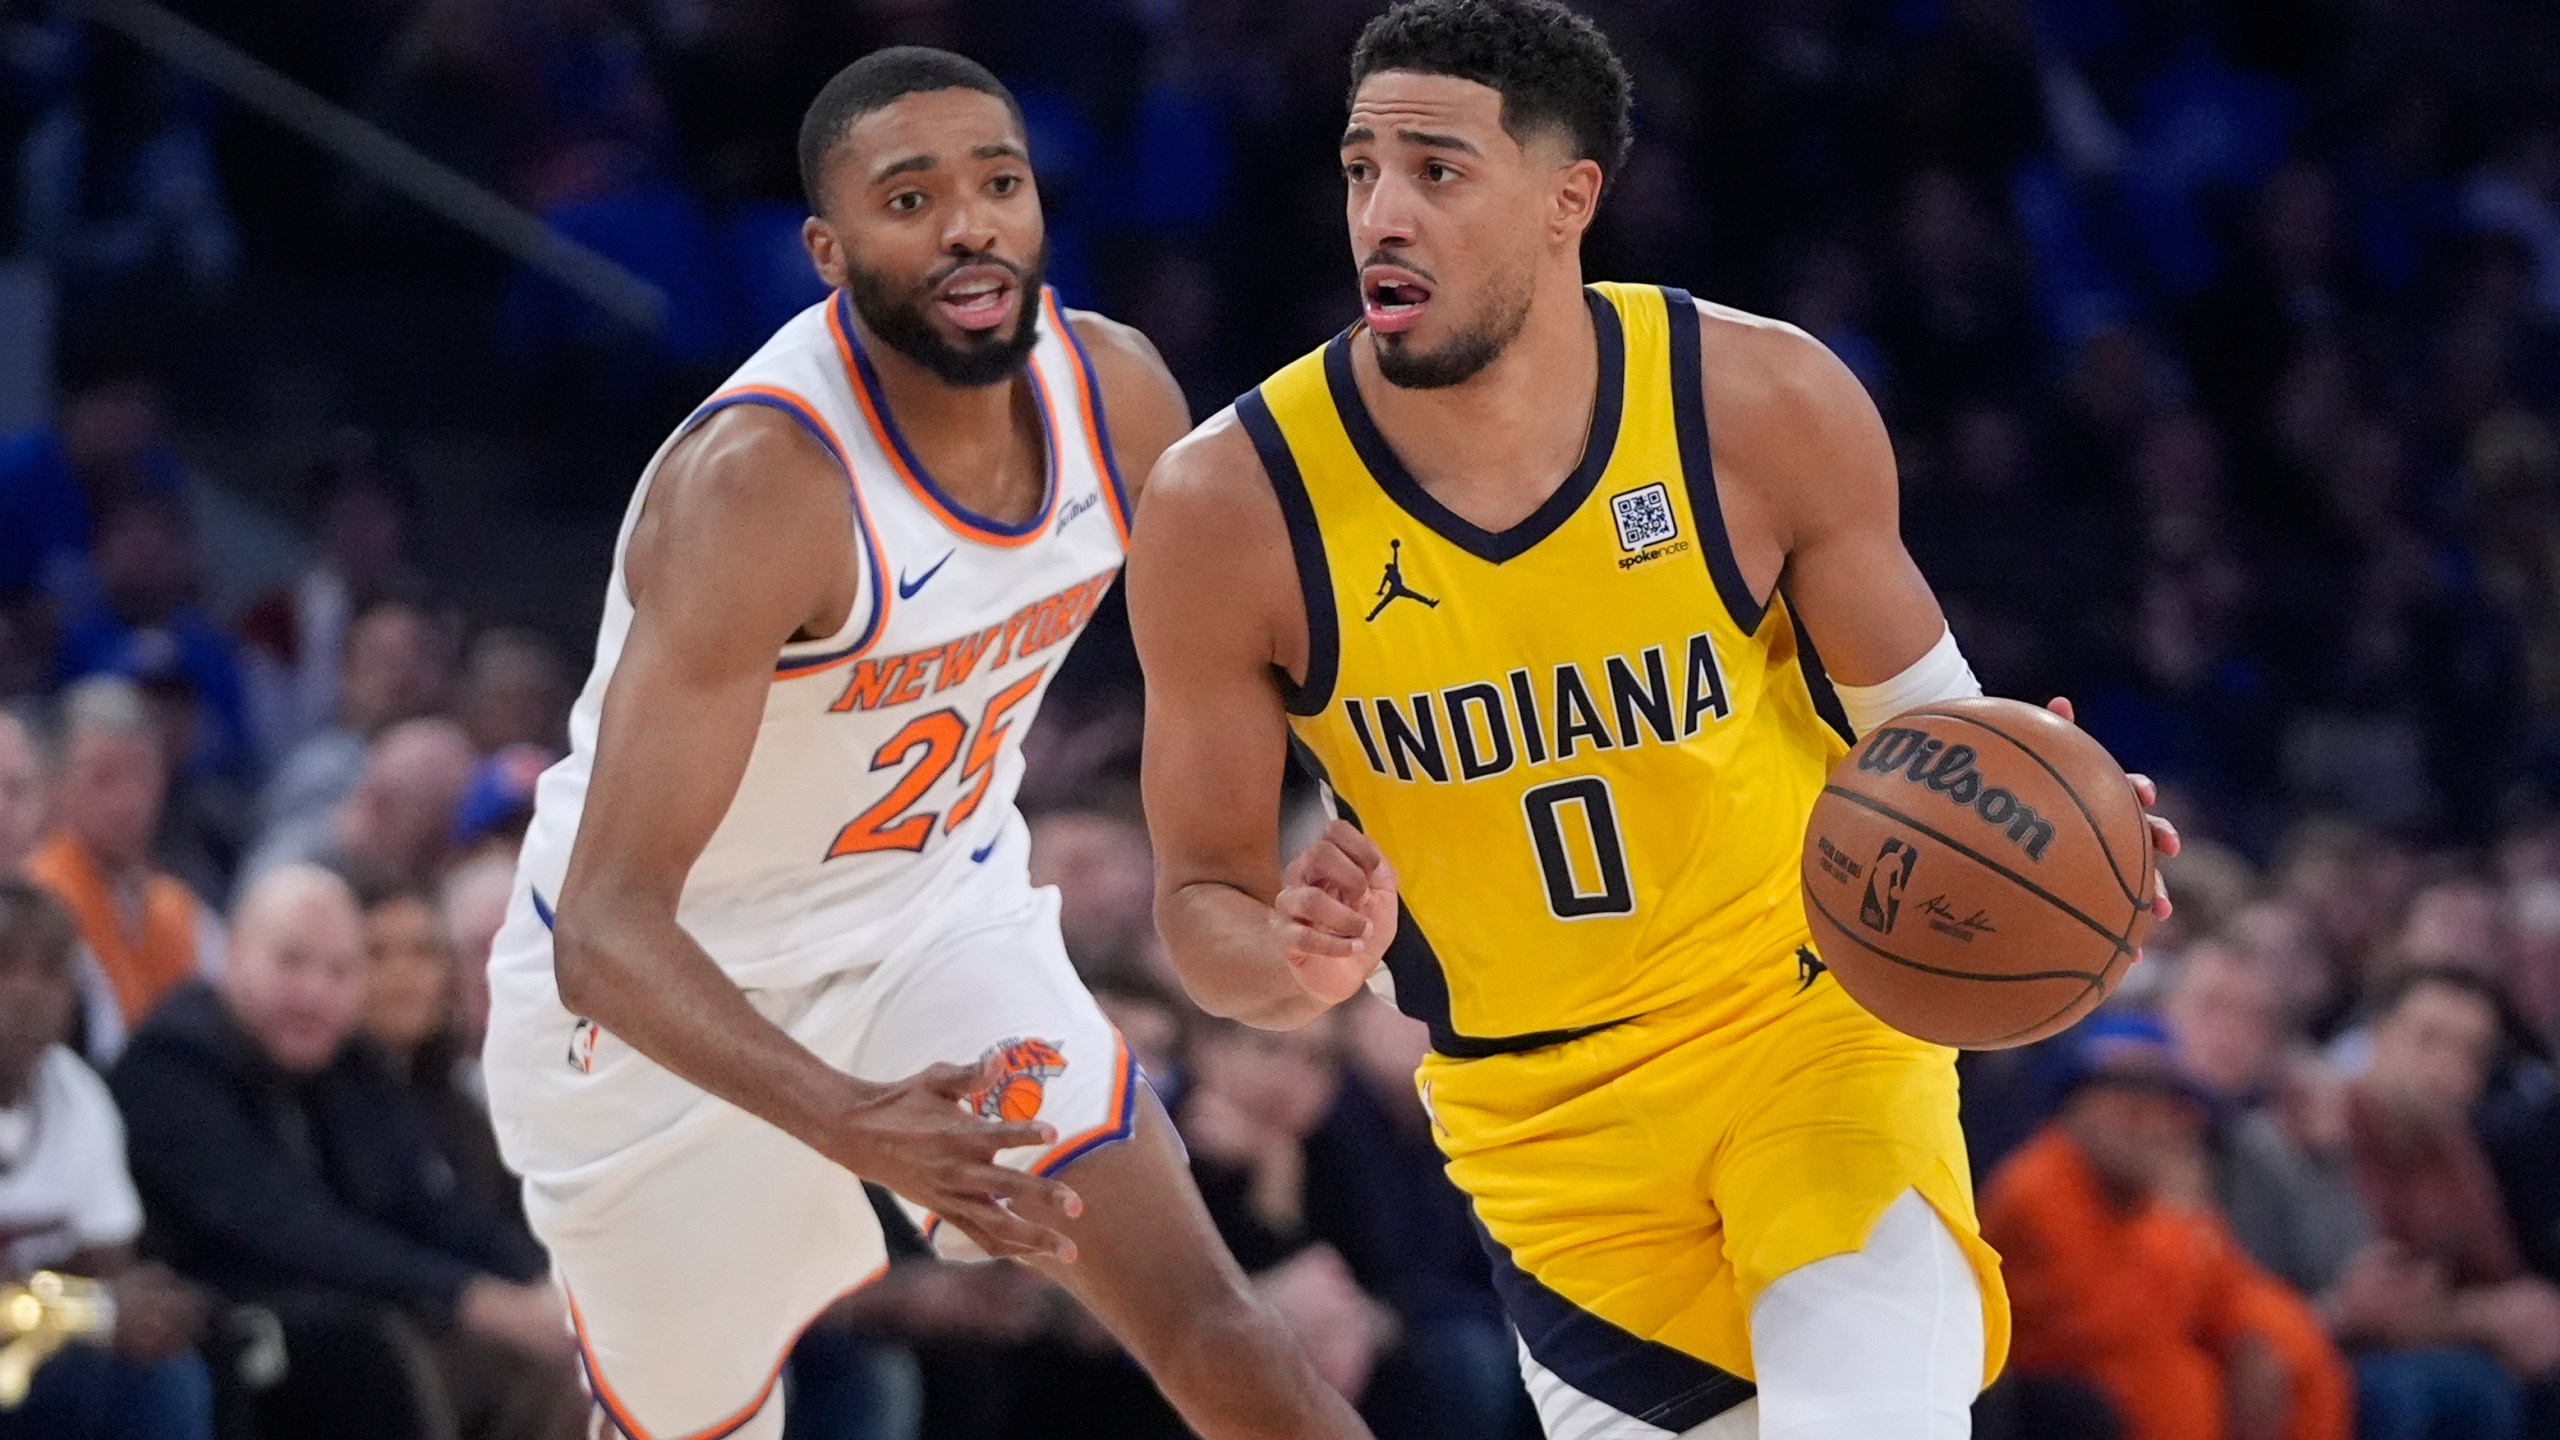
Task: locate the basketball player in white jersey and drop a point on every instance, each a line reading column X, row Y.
column 773, row 931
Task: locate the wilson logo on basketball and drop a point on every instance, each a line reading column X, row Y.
column 1948, row 770
column 1029, row 1065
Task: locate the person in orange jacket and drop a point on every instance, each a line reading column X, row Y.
column 2121, row 1275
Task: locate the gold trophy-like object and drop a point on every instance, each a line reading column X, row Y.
column 41, row 1316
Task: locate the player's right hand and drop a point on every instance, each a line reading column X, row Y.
column 1337, row 904
column 923, row 1138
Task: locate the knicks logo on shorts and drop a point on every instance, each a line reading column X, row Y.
column 1027, row 1067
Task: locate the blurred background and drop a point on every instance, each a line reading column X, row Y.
column 2220, row 345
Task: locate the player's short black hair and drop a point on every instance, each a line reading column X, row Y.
column 876, row 81
column 1554, row 68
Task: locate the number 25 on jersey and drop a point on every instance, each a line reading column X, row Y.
column 941, row 735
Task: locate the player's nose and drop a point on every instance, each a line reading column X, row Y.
column 1383, row 217
column 970, row 229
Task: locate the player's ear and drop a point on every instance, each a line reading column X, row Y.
column 1577, row 199
column 826, row 253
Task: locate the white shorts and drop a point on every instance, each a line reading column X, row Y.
column 1882, row 1343
column 696, row 1240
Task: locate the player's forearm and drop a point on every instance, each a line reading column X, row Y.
column 1227, row 946
column 650, row 986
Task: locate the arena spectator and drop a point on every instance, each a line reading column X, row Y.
column 1106, row 877
column 1255, row 1098
column 145, row 624
column 514, row 691
column 396, row 665
column 146, row 932
column 409, row 1013
column 2461, row 924
column 397, row 824
column 68, row 1204
column 1153, row 1024
column 280, row 1161
column 473, row 904
column 108, row 443
column 497, row 806
column 2533, row 911
column 2120, row 1274
column 295, row 637
column 22, row 798
column 1378, row 1192
column 2285, row 1178
column 2421, row 1171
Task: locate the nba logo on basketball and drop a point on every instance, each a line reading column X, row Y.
column 1028, row 1065
column 1883, row 902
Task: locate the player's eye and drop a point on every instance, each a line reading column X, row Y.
column 1437, row 171
column 1005, row 184
column 907, row 202
column 1359, row 172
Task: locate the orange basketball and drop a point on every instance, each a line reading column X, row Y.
column 1977, row 873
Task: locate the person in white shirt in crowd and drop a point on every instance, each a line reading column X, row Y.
column 68, row 1204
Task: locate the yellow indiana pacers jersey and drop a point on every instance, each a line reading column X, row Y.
column 1589, row 750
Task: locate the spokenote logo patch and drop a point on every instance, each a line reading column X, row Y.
column 1648, row 528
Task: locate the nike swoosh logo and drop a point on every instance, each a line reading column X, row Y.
column 907, row 588
column 981, row 855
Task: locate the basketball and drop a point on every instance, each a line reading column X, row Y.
column 1978, row 873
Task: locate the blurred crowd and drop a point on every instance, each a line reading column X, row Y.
column 2220, row 343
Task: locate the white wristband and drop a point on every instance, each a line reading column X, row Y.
column 1941, row 674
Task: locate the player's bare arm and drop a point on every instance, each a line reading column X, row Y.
column 743, row 545
column 1142, row 401
column 1806, row 477
column 1214, row 607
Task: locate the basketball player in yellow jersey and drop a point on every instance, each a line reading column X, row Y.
column 1533, row 576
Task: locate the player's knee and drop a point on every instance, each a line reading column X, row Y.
column 1884, row 1343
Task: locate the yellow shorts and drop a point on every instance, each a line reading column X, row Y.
column 1641, row 1186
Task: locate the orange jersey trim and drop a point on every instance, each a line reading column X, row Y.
column 910, row 470
column 798, row 408
column 620, row 1414
column 1118, row 1123
column 1097, row 434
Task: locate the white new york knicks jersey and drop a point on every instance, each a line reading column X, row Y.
column 883, row 778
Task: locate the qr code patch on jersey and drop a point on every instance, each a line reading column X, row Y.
column 1644, row 516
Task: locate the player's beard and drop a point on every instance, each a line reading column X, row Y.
column 1462, row 356
column 901, row 316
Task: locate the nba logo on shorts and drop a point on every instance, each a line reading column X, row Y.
column 582, row 1046
column 1644, row 516
column 1028, row 1065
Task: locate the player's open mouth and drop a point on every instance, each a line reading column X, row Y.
column 978, row 298
column 1391, row 300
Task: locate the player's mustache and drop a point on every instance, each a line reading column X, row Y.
column 963, row 262
column 1377, row 258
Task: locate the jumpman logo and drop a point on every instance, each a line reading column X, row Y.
column 1392, row 588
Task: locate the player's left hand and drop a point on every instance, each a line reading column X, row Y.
column 1337, row 909
column 2164, row 836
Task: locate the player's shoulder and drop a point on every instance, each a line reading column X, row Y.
column 1211, row 479
column 1791, row 426
column 1145, row 403
column 1755, row 366
column 751, row 459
